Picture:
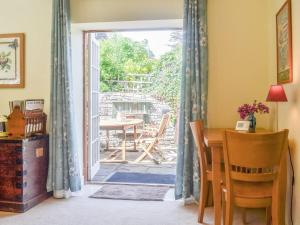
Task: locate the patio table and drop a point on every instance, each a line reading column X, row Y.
column 124, row 125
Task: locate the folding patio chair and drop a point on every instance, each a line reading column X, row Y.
column 150, row 138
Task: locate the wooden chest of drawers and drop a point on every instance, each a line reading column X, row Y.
column 23, row 172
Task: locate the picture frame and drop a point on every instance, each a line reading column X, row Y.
column 284, row 44
column 12, row 60
column 242, row 125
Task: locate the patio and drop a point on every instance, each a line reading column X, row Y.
column 141, row 107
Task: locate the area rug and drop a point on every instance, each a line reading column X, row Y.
column 131, row 192
column 142, row 178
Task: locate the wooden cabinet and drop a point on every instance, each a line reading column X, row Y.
column 23, row 172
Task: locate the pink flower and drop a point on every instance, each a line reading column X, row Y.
column 245, row 110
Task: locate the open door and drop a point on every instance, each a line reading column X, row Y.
column 94, row 112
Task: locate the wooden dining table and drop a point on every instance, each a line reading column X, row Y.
column 213, row 138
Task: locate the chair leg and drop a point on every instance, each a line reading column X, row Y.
column 275, row 217
column 268, row 215
column 223, row 207
column 275, row 204
column 244, row 215
column 202, row 200
column 229, row 211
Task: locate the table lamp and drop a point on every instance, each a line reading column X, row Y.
column 276, row 94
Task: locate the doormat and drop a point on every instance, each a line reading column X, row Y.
column 142, row 178
column 131, row 192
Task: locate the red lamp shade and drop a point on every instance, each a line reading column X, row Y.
column 276, row 94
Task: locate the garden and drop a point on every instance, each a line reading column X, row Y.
column 133, row 77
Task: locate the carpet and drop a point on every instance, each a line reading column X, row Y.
column 132, row 192
column 142, row 178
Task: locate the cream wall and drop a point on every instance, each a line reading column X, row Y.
column 32, row 17
column 238, row 59
column 91, row 11
column 289, row 113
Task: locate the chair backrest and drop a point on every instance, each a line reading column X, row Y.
column 253, row 157
column 163, row 125
column 197, row 131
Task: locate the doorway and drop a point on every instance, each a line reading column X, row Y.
column 131, row 76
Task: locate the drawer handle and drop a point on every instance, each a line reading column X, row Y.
column 19, row 161
column 19, row 198
column 21, row 173
column 18, row 149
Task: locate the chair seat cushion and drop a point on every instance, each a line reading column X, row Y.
column 255, row 190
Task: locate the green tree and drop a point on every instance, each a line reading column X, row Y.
column 120, row 56
column 167, row 74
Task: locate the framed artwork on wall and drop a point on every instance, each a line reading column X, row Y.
column 284, row 44
column 12, row 60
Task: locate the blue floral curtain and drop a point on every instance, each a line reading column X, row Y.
column 64, row 173
column 193, row 95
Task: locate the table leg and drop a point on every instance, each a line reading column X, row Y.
column 216, row 180
column 124, row 145
column 107, row 140
column 134, row 137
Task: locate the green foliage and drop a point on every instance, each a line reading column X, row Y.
column 5, row 61
column 167, row 82
column 120, row 56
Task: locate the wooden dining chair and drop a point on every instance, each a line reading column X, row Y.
column 252, row 162
column 205, row 167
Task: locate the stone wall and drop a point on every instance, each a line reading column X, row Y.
column 107, row 99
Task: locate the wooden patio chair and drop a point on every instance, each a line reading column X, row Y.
column 252, row 164
column 150, row 138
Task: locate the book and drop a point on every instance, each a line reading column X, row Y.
column 34, row 107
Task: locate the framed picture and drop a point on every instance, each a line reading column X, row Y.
column 284, row 44
column 12, row 62
column 242, row 125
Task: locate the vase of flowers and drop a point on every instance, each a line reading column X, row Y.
column 248, row 111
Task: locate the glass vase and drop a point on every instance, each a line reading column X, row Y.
column 252, row 125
